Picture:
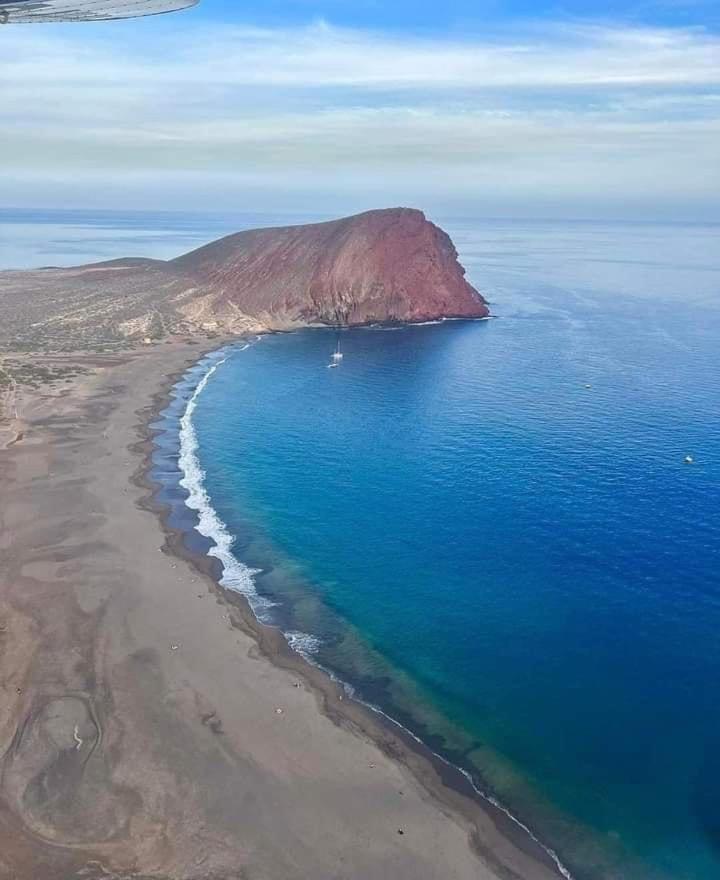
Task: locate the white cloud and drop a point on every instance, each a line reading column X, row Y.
column 322, row 56
column 575, row 111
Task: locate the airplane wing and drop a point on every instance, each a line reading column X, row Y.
column 25, row 11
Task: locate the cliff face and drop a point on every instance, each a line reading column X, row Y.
column 389, row 265
column 381, row 266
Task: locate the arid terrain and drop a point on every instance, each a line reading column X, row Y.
column 381, row 266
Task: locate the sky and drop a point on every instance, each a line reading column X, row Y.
column 558, row 109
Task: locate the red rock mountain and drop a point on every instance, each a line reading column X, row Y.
column 381, row 266
column 388, row 265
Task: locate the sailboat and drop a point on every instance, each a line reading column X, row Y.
column 336, row 357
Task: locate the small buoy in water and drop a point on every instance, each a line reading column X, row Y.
column 689, row 459
column 588, row 385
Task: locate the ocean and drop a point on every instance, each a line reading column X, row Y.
column 488, row 529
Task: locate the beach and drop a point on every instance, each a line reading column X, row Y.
column 149, row 726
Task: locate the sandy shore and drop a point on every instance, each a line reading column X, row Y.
column 149, row 727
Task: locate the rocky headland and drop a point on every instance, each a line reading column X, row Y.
column 384, row 266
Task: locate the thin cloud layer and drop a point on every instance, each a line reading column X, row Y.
column 569, row 111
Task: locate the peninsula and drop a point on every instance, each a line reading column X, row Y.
column 386, row 266
column 150, row 727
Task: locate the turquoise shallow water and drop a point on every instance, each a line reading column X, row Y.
column 520, row 567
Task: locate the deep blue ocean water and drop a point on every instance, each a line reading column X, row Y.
column 490, row 530
column 522, row 567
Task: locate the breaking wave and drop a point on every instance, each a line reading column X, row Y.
column 236, row 575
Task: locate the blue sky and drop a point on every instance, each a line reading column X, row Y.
column 484, row 108
column 459, row 15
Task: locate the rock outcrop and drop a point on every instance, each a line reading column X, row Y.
column 388, row 266
column 381, row 266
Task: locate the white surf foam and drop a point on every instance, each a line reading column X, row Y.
column 236, row 575
column 303, row 643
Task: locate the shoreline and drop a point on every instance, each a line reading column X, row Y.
column 150, row 725
column 336, row 697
